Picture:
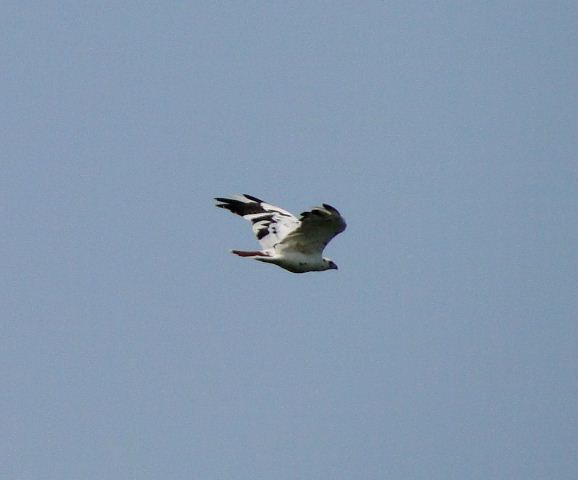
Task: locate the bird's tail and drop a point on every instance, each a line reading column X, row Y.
column 249, row 254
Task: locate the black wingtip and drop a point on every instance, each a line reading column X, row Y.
column 240, row 207
column 330, row 208
column 251, row 197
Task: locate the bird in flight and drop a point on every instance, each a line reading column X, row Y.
column 295, row 244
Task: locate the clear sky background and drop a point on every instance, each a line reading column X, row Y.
column 134, row 346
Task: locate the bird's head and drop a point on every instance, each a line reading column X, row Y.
column 330, row 264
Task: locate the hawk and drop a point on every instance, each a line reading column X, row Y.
column 295, row 244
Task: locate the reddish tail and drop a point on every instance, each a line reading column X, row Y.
column 249, row 254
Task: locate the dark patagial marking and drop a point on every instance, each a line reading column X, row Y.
column 262, row 233
column 265, row 217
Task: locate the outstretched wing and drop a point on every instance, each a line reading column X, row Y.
column 317, row 227
column 271, row 224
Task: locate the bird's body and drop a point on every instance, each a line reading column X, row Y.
column 295, row 244
column 293, row 261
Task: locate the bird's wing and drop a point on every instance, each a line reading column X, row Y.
column 317, row 227
column 271, row 224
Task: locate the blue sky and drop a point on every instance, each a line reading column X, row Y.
column 135, row 346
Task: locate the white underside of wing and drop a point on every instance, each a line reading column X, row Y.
column 271, row 228
column 271, row 224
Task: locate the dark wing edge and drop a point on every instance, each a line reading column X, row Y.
column 326, row 218
column 238, row 207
